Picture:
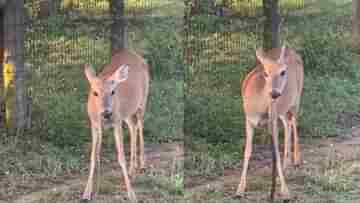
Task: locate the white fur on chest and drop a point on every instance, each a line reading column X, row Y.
column 258, row 119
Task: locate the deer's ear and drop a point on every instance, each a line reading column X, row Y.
column 282, row 55
column 89, row 72
column 121, row 74
column 260, row 55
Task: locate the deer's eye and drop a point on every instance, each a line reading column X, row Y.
column 95, row 94
column 283, row 73
column 112, row 92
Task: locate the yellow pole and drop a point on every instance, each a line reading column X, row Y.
column 9, row 94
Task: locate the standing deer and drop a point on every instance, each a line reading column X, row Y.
column 119, row 93
column 270, row 91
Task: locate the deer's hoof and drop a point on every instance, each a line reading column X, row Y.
column 132, row 197
column 286, row 164
column 286, row 197
column 298, row 163
column 142, row 170
column 85, row 201
column 240, row 193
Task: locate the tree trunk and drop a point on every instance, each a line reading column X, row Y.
column 272, row 24
column 2, row 3
column 14, row 66
column 356, row 23
column 1, row 65
column 47, row 8
column 118, row 28
column 195, row 8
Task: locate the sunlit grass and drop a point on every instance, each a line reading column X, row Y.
column 251, row 7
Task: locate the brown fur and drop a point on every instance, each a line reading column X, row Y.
column 129, row 105
column 257, row 103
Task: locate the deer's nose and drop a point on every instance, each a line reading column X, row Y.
column 275, row 94
column 106, row 114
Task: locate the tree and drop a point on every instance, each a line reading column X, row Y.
column 118, row 28
column 47, row 8
column 194, row 7
column 272, row 24
column 2, row 3
column 1, row 59
column 14, row 89
column 356, row 22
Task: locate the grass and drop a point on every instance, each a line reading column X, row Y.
column 101, row 7
column 247, row 8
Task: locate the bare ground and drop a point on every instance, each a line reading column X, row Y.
column 330, row 173
column 162, row 161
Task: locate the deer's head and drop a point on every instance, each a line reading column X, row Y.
column 104, row 91
column 274, row 73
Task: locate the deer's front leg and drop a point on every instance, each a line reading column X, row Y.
column 96, row 139
column 284, row 191
column 248, row 150
column 122, row 161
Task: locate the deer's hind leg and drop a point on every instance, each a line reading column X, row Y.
column 140, row 128
column 287, row 140
column 131, row 123
column 293, row 123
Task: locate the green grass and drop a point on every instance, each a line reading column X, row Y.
column 253, row 6
column 102, row 7
column 245, row 8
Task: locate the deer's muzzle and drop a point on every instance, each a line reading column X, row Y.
column 275, row 94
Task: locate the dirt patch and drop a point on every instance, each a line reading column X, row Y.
column 159, row 158
column 311, row 182
column 330, row 173
column 348, row 119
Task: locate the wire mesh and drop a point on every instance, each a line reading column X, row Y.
column 59, row 37
column 220, row 26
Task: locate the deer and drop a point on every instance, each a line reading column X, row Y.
column 272, row 91
column 117, row 95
